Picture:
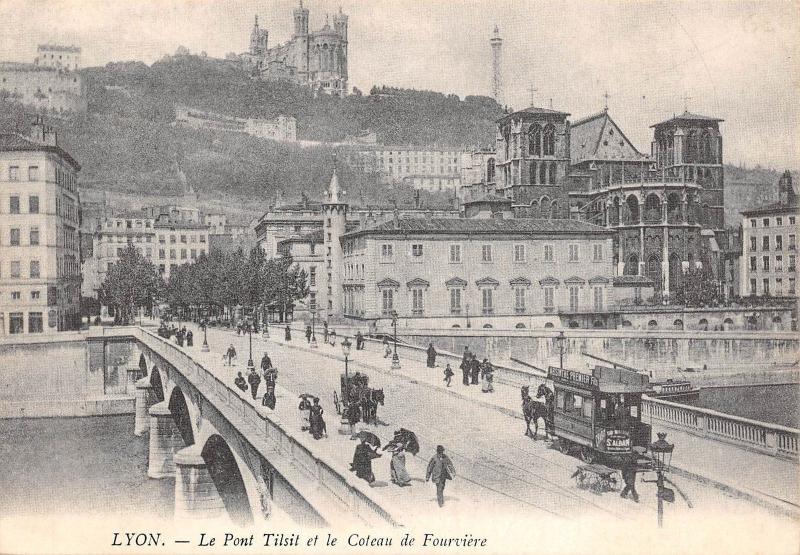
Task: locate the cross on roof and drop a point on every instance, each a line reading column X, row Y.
column 532, row 90
column 686, row 99
column 606, row 96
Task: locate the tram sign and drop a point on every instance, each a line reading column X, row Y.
column 572, row 377
column 618, row 442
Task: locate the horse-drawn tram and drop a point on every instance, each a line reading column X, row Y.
column 599, row 413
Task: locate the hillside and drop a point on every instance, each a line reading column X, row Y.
column 127, row 144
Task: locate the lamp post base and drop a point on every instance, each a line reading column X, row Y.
column 345, row 428
column 205, row 347
column 250, row 365
column 395, row 362
column 314, row 343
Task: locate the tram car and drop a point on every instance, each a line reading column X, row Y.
column 599, row 413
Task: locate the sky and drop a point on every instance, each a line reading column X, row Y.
column 738, row 61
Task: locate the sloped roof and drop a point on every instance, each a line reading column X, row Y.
column 688, row 116
column 444, row 226
column 316, row 237
column 14, row 142
column 775, row 207
column 598, row 137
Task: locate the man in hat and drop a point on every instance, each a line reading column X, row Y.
column 629, row 476
column 440, row 469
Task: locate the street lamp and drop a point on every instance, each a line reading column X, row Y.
column 250, row 365
column 561, row 338
column 661, row 454
column 205, row 348
column 346, row 426
column 313, row 329
column 468, row 324
column 265, row 327
column 395, row 358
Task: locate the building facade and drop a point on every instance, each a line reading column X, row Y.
column 477, row 272
column 431, row 169
column 52, row 84
column 307, row 252
column 768, row 265
column 667, row 207
column 281, row 128
column 40, row 214
column 317, row 59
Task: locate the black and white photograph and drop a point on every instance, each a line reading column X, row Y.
column 399, row 277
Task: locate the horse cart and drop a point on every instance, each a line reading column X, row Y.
column 599, row 413
column 351, row 389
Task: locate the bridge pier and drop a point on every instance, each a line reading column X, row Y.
column 144, row 400
column 165, row 439
column 196, row 496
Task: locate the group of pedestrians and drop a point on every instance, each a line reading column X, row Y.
column 253, row 380
column 178, row 336
column 472, row 370
column 440, row 468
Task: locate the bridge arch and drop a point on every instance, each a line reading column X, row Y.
column 181, row 415
column 227, row 477
column 157, row 383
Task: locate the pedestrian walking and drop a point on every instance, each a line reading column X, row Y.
column 465, row 367
column 288, row 333
column 362, row 461
column 333, row 338
column 179, row 338
column 475, row 369
column 189, row 339
column 240, row 382
column 440, row 469
column 324, row 332
column 629, row 476
column 397, row 467
column 254, row 380
column 230, row 354
column 387, row 350
column 308, row 334
column 431, row 355
column 266, row 363
column 448, row 374
column 316, row 422
column 359, row 341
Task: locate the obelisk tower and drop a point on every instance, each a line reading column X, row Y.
column 497, row 68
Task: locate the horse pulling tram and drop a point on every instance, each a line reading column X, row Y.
column 599, row 413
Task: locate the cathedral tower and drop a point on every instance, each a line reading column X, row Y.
column 300, row 21
column 334, row 212
column 340, row 24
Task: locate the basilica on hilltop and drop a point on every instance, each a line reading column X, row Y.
column 317, row 59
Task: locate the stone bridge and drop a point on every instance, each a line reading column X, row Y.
column 226, row 457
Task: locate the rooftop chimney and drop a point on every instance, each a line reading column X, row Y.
column 37, row 130
column 50, row 136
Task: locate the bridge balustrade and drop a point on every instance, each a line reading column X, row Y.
column 771, row 439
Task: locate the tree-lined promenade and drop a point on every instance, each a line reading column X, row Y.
column 214, row 286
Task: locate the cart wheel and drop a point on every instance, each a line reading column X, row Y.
column 587, row 455
column 563, row 445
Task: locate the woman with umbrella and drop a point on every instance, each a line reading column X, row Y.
column 316, row 423
column 364, row 453
column 404, row 440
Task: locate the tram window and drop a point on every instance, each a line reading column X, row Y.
column 577, row 403
column 560, row 400
column 634, row 411
column 587, row 410
column 602, row 403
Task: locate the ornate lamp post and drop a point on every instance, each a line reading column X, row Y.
column 561, row 338
column 313, row 329
column 661, row 454
column 205, row 348
column 250, row 365
column 395, row 358
column 346, row 426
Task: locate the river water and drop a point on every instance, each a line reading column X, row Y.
column 91, row 465
column 777, row 404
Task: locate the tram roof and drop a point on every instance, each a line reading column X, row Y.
column 603, row 379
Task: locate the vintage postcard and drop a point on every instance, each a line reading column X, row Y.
column 387, row 277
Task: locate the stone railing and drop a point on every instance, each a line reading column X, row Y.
column 771, row 439
column 271, row 437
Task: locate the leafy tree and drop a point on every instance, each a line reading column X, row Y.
column 131, row 283
column 285, row 284
column 698, row 287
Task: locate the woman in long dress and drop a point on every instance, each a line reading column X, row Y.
column 316, row 423
column 398, row 467
column 362, row 461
